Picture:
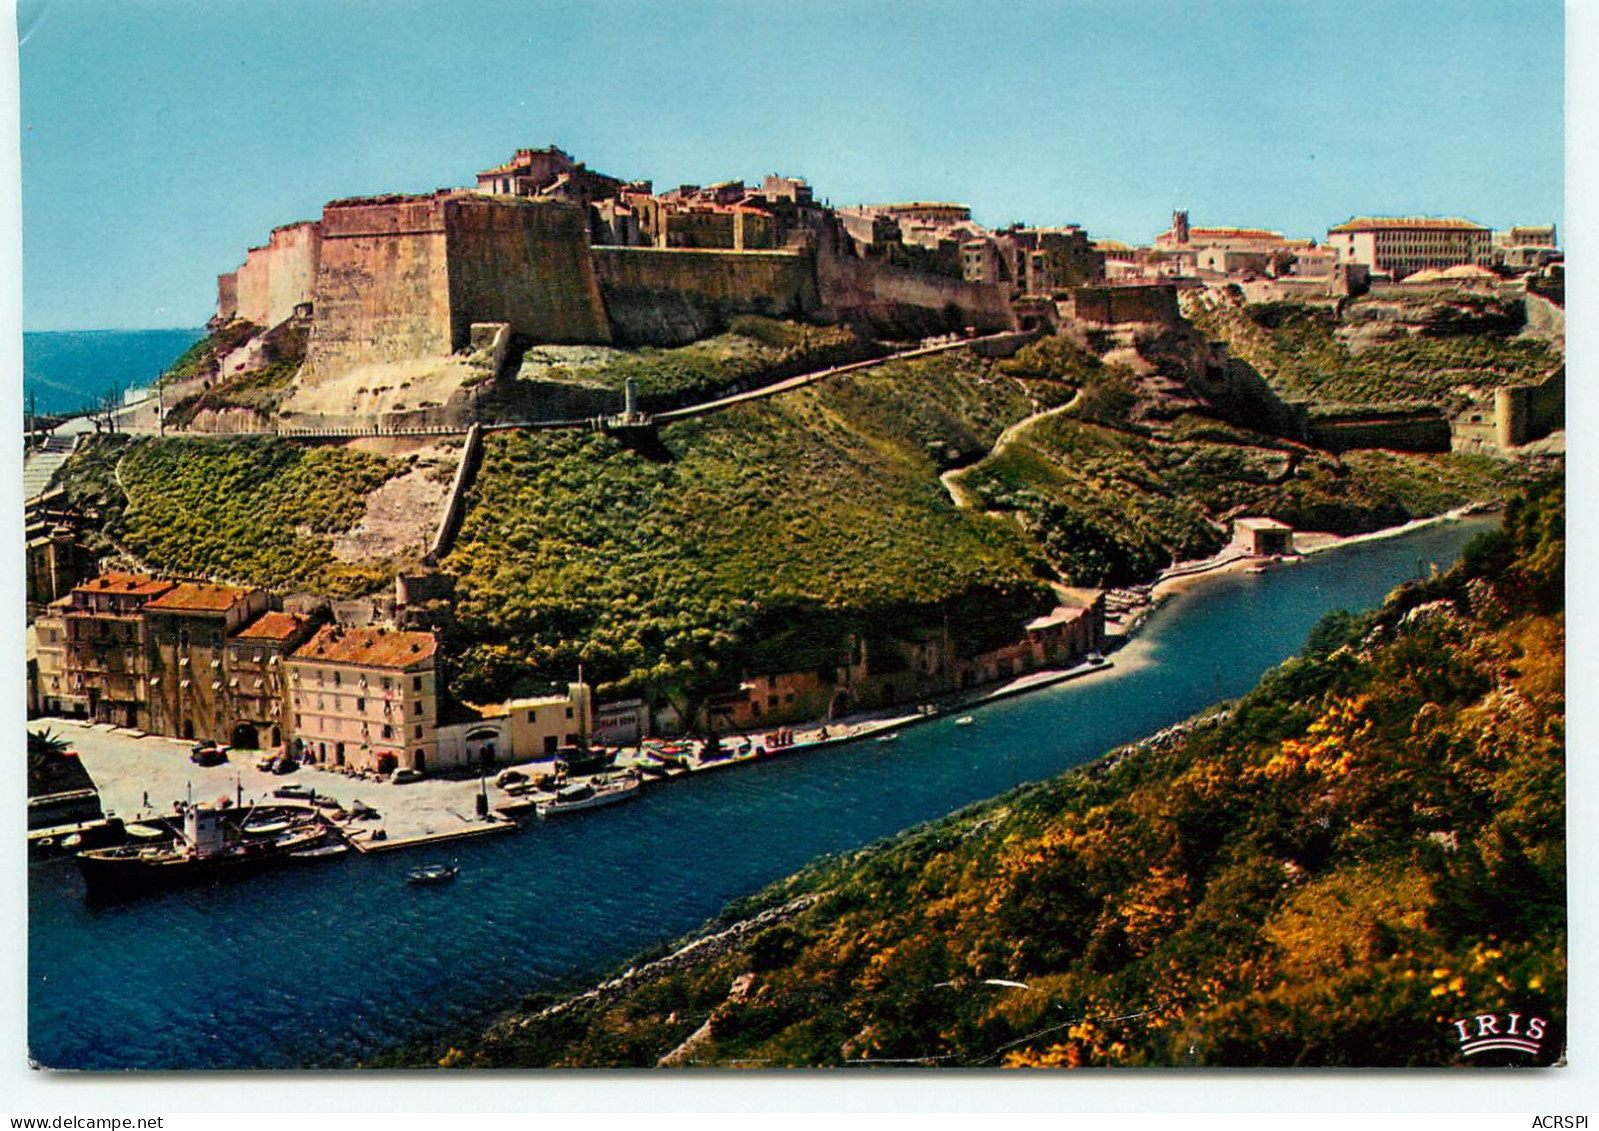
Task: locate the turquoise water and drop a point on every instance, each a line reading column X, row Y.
column 325, row 966
column 68, row 370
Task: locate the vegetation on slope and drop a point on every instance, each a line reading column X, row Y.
column 204, row 358
column 1471, row 341
column 759, row 536
column 753, row 347
column 1364, row 849
column 1113, row 504
column 260, row 389
column 253, row 509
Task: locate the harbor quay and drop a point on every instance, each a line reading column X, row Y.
column 143, row 776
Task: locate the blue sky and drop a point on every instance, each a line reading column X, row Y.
column 161, row 138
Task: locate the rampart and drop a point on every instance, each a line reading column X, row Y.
column 1400, row 430
column 659, row 296
column 525, row 263
column 1113, row 306
column 382, row 285
column 273, row 279
column 406, row 277
column 892, row 302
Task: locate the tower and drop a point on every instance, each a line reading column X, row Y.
column 1179, row 226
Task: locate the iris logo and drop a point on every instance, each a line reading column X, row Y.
column 1488, row 1031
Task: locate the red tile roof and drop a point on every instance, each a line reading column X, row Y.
column 368, row 647
column 1234, row 234
column 1392, row 223
column 272, row 626
column 124, row 583
column 197, row 597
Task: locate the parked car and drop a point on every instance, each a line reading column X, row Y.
column 403, row 775
column 510, row 777
column 295, row 790
column 284, row 765
column 209, row 755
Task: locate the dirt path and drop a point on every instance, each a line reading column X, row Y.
column 958, row 493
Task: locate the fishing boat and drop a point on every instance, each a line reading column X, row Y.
column 431, row 875
column 588, row 795
column 211, row 845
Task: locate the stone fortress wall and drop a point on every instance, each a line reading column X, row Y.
column 275, row 278
column 669, row 297
column 382, row 285
column 522, row 262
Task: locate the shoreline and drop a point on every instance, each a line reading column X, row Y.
column 417, row 818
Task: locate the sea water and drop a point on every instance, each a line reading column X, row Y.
column 68, row 371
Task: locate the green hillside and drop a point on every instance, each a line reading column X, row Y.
column 771, row 527
column 1381, row 351
column 254, row 509
column 1326, row 873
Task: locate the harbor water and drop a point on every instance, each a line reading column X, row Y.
column 331, row 965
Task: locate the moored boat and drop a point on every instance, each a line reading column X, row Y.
column 431, row 875
column 210, row 846
column 587, row 795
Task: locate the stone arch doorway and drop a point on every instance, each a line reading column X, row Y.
column 245, row 737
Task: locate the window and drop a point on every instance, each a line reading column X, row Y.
column 387, row 683
column 418, row 710
column 419, row 730
column 360, row 706
column 416, row 683
column 388, row 731
column 569, row 712
column 533, row 716
column 338, row 678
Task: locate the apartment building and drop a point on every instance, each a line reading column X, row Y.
column 1403, row 245
column 187, row 628
column 257, row 680
column 107, row 644
column 365, row 697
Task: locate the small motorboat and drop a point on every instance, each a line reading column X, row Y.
column 891, row 737
column 965, row 721
column 430, row 875
column 325, row 852
column 264, row 828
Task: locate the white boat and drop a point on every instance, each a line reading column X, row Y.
column 965, row 721
column 894, row 737
column 571, row 798
column 324, row 852
column 265, row 828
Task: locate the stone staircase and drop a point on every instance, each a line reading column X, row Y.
column 40, row 465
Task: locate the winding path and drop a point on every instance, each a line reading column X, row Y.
column 958, row 493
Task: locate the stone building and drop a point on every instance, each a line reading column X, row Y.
column 188, row 627
column 107, row 647
column 1401, row 245
column 257, row 685
column 366, row 698
column 1263, row 537
column 52, row 688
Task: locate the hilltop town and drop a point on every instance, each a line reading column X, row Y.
column 444, row 464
